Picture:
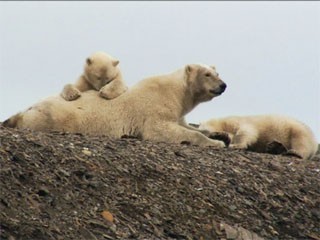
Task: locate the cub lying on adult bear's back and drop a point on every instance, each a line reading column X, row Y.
column 101, row 73
column 264, row 133
column 153, row 109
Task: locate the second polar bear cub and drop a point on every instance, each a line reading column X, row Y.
column 101, row 73
column 266, row 133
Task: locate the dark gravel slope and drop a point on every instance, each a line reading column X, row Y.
column 70, row 186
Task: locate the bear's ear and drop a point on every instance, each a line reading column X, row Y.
column 115, row 62
column 188, row 69
column 213, row 67
column 89, row 61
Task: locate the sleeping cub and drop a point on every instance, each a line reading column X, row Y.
column 266, row 133
column 101, row 73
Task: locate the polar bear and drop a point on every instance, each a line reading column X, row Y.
column 153, row 109
column 266, row 133
column 101, row 73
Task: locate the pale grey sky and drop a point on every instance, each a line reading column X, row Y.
column 267, row 52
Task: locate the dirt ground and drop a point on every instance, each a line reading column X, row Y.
column 71, row 186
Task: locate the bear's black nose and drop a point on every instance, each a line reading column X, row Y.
column 223, row 86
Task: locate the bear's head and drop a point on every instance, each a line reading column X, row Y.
column 100, row 69
column 204, row 82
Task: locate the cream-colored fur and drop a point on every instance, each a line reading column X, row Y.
column 257, row 132
column 101, row 73
column 153, row 109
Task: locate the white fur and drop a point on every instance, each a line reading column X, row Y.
column 153, row 109
column 256, row 132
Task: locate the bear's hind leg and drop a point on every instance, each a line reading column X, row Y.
column 300, row 145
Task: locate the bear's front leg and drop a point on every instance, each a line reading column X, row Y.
column 174, row 132
column 70, row 93
column 112, row 90
column 245, row 137
column 221, row 136
column 238, row 146
column 106, row 92
column 293, row 153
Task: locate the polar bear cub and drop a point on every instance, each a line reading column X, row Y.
column 266, row 133
column 101, row 73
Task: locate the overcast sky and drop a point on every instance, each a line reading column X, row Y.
column 267, row 52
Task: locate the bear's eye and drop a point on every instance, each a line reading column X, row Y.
column 208, row 74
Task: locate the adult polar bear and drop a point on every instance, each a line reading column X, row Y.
column 266, row 133
column 154, row 109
